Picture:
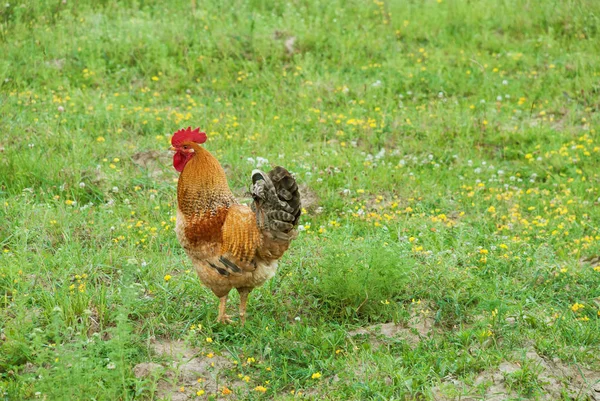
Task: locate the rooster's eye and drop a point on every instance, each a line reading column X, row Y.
column 185, row 147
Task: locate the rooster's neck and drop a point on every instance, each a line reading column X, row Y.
column 202, row 186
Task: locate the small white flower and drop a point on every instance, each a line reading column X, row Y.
column 61, row 109
column 261, row 161
column 499, row 98
column 505, row 82
column 376, row 84
column 115, row 189
column 82, row 185
column 111, row 366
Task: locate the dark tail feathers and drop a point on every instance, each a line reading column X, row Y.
column 276, row 201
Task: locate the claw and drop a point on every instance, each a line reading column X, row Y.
column 225, row 319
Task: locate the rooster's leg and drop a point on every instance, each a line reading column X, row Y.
column 243, row 301
column 223, row 318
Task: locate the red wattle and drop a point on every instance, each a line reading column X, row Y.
column 179, row 161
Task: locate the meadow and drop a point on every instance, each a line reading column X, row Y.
column 449, row 158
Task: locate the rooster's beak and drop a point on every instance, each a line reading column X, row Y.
column 172, row 148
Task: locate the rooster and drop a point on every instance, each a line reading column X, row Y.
column 231, row 245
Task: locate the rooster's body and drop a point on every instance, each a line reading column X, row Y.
column 231, row 245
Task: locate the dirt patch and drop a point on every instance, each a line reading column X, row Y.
column 532, row 377
column 308, row 197
column 58, row 63
column 93, row 320
column 387, row 330
column 593, row 261
column 288, row 40
column 420, row 325
column 186, row 371
column 153, row 161
column 289, row 44
column 146, row 369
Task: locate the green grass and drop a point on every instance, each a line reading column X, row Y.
column 451, row 149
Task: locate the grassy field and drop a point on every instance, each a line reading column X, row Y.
column 449, row 156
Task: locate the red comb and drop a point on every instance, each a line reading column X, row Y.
column 188, row 135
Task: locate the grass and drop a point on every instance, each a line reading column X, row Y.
column 451, row 150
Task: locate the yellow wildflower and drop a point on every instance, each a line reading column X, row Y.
column 577, row 306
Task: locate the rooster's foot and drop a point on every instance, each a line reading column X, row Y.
column 225, row 319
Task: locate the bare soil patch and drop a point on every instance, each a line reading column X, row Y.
column 555, row 380
column 186, row 371
column 419, row 326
